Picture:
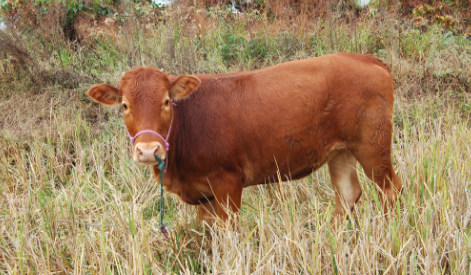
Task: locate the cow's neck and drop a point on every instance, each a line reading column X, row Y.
column 178, row 160
column 171, row 176
column 192, row 131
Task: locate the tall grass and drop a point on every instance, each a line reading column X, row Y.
column 73, row 201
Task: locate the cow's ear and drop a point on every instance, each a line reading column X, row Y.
column 105, row 94
column 183, row 86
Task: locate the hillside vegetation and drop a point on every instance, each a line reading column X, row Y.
column 73, row 201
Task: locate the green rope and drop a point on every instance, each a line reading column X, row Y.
column 161, row 167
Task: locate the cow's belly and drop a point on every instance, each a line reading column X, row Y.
column 294, row 166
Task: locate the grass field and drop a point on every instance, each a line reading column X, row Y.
column 73, row 201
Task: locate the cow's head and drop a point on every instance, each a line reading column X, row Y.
column 146, row 95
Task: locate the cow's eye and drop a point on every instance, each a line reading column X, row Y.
column 125, row 107
column 167, row 102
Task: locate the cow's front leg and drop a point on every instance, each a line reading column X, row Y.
column 227, row 191
column 208, row 212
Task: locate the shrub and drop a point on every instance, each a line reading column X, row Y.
column 33, row 12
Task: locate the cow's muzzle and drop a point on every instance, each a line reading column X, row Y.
column 145, row 152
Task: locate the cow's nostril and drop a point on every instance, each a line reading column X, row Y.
column 140, row 153
column 157, row 151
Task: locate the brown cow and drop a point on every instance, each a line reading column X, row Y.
column 231, row 131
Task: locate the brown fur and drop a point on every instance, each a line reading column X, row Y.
column 238, row 130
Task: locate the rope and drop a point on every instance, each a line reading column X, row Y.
column 160, row 166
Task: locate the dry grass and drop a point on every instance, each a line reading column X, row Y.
column 73, row 201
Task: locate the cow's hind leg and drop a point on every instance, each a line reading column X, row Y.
column 345, row 182
column 374, row 155
column 374, row 148
column 376, row 163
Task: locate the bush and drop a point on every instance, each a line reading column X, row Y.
column 33, row 12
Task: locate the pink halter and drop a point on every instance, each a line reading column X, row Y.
column 167, row 145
